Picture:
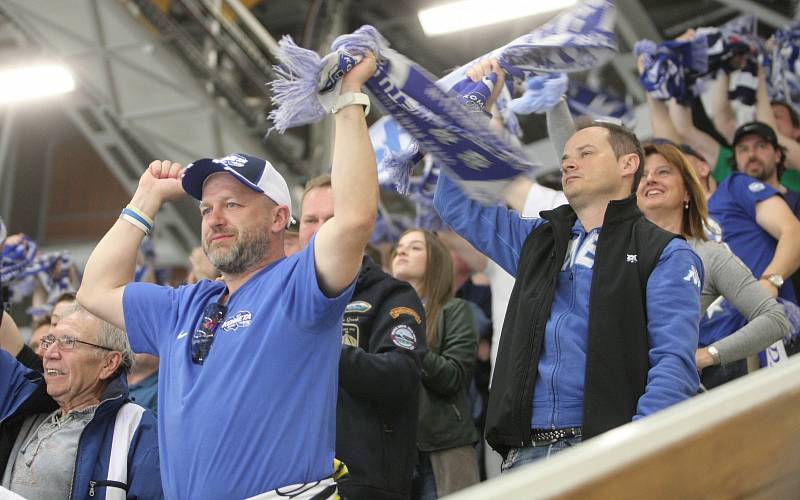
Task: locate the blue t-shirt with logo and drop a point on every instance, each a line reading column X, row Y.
column 260, row 412
column 733, row 207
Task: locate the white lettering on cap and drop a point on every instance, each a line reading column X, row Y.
column 237, row 161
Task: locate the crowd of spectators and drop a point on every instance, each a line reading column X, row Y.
column 665, row 266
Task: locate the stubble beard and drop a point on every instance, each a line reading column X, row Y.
column 757, row 171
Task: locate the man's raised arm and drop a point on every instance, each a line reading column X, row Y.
column 339, row 244
column 776, row 218
column 113, row 261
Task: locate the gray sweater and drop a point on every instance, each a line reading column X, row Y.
column 727, row 276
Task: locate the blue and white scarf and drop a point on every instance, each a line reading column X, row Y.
column 22, row 266
column 439, row 121
column 673, row 68
column 17, row 259
column 744, row 82
column 584, row 100
column 395, row 153
column 421, row 193
column 784, row 66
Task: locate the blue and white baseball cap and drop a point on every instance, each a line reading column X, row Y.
column 255, row 173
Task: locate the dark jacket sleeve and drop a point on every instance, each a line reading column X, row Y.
column 449, row 370
column 391, row 367
column 29, row 359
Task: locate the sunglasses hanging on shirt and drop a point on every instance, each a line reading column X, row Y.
column 203, row 336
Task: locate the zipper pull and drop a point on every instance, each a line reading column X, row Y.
column 91, row 488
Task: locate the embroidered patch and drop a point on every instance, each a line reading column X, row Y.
column 358, row 306
column 403, row 336
column 397, row 311
column 241, row 319
column 755, row 187
column 350, row 334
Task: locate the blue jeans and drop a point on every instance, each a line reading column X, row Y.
column 518, row 457
column 426, row 480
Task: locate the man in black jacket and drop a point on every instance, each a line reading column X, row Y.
column 383, row 339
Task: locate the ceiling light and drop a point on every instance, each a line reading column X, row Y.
column 26, row 83
column 466, row 14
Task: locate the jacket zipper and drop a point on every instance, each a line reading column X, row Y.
column 113, row 484
column 458, row 413
column 78, row 454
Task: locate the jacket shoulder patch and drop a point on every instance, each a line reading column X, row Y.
column 358, row 306
column 397, row 311
column 403, row 336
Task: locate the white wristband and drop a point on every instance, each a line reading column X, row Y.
column 350, row 98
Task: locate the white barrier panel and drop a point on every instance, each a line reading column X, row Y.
column 741, row 440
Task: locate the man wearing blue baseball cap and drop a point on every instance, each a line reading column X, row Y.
column 248, row 364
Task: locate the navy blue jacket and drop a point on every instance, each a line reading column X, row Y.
column 23, row 393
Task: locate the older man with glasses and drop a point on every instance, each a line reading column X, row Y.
column 70, row 432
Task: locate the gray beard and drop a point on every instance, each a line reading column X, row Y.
column 249, row 250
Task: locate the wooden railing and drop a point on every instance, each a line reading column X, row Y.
column 741, row 440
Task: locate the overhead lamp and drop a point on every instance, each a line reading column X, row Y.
column 24, row 83
column 466, row 14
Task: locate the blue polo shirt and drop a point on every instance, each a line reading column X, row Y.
column 260, row 413
column 733, row 207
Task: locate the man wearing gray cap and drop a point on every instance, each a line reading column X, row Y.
column 248, row 364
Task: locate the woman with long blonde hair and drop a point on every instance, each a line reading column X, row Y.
column 446, row 434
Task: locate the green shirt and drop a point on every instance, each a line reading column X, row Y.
column 723, row 167
column 790, row 178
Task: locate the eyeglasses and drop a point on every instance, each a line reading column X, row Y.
column 66, row 343
column 203, row 335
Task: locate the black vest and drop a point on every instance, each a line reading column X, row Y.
column 617, row 363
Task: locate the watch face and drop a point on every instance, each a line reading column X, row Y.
column 776, row 280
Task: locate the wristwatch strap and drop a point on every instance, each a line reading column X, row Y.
column 714, row 353
column 350, row 98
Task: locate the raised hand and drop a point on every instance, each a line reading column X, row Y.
column 484, row 68
column 354, row 79
column 162, row 180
